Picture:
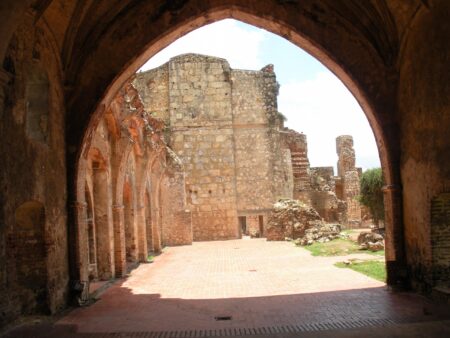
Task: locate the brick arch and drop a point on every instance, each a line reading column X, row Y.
column 371, row 79
column 365, row 64
column 122, row 171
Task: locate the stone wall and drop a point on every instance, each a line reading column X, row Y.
column 177, row 219
column 34, row 271
column 79, row 55
column 131, row 194
column 239, row 159
column 440, row 237
column 349, row 178
column 224, row 126
column 298, row 147
column 201, row 134
column 263, row 168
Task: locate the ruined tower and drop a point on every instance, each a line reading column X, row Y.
column 348, row 186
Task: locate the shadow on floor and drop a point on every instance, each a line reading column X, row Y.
column 148, row 315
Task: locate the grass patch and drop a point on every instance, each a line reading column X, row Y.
column 373, row 269
column 150, row 258
column 338, row 247
column 376, row 253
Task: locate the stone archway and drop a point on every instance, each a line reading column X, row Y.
column 102, row 218
column 385, row 137
column 91, row 234
column 392, row 55
column 148, row 220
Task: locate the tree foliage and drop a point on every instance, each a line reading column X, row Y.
column 371, row 195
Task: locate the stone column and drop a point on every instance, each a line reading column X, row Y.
column 80, row 243
column 79, row 249
column 120, row 261
column 103, row 225
column 394, row 238
column 141, row 234
column 156, row 230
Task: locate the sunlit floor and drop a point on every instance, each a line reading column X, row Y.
column 249, row 283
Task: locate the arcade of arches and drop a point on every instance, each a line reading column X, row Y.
column 73, row 180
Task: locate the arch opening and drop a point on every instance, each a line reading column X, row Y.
column 158, row 228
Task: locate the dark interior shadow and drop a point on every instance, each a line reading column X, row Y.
column 120, row 310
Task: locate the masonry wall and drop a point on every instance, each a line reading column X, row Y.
column 176, row 218
column 224, row 125
column 298, row 148
column 350, row 178
column 201, row 129
column 33, row 217
column 252, row 147
column 424, row 108
column 262, row 166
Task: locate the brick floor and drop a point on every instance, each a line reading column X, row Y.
column 257, row 283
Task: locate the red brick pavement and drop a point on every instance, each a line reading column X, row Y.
column 257, row 283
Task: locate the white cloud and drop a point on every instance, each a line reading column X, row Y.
column 323, row 108
column 223, row 39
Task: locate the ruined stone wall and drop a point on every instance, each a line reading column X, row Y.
column 262, row 166
column 154, row 92
column 131, row 193
column 349, row 177
column 401, row 76
column 252, row 148
column 298, row 146
column 202, row 136
column 323, row 179
column 238, row 157
column 323, row 196
column 224, row 126
column 177, row 219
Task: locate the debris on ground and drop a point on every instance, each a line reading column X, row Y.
column 294, row 220
column 370, row 241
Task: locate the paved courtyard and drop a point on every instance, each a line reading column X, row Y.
column 242, row 284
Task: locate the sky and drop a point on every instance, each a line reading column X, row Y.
column 312, row 98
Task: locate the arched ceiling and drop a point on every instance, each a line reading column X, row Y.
column 103, row 42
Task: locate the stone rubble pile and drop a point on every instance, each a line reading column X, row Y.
column 370, row 241
column 294, row 220
column 321, row 233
